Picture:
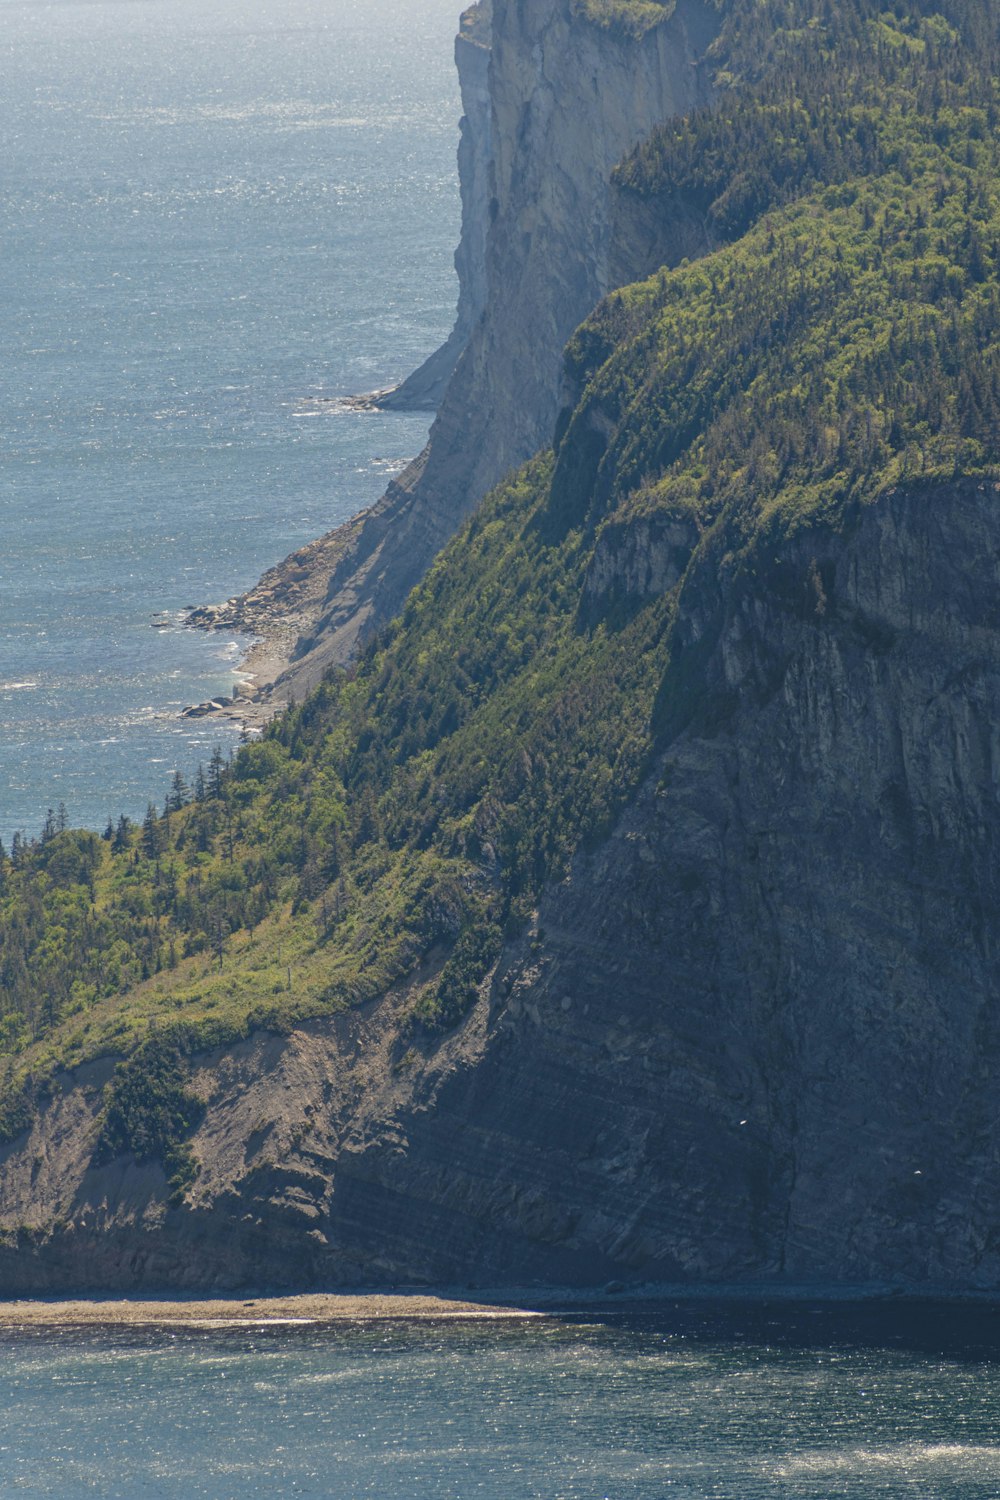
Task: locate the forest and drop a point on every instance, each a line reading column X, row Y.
column 840, row 338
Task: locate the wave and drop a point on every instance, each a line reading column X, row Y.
column 904, row 1458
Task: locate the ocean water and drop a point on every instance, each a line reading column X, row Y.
column 714, row 1405
column 212, row 212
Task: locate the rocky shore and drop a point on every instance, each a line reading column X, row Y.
column 531, row 264
column 280, row 611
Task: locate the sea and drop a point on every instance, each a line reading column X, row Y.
column 706, row 1402
column 216, row 217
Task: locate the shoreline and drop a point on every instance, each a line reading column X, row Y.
column 491, row 1305
column 281, row 612
column 297, row 1310
column 277, row 612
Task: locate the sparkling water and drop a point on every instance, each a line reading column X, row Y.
column 715, row 1405
column 212, row 213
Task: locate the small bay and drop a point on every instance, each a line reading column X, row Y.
column 210, row 217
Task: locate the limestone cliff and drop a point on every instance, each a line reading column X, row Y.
column 424, row 389
column 752, row 1035
column 542, row 241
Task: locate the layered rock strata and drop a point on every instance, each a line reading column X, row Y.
column 753, row 1036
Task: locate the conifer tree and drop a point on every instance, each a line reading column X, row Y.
column 216, row 766
column 152, row 833
column 179, row 795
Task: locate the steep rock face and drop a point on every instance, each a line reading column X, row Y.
column 423, row 390
column 567, row 100
column 649, row 233
column 753, row 1035
column 756, row 1034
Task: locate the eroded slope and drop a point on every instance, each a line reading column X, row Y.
column 629, row 908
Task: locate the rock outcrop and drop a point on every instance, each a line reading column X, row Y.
column 425, row 388
column 544, row 238
column 751, row 1032
column 753, row 1036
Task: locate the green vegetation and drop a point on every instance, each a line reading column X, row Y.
column 411, row 805
column 635, row 17
column 150, row 1112
column 844, row 338
column 826, row 94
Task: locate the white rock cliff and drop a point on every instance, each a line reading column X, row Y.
column 566, row 100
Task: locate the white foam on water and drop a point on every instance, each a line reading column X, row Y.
column 905, row 1458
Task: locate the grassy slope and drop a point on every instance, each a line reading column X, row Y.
column 412, row 809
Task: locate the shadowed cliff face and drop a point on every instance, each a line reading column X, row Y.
column 753, row 1035
column 567, row 100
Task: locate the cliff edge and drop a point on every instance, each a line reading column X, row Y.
column 552, row 102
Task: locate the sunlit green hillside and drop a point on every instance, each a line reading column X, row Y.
column 842, row 339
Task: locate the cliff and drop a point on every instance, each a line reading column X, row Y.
column 752, row 1035
column 628, row 910
column 563, row 100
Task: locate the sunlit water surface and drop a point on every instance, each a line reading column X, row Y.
column 807, row 1405
column 210, row 215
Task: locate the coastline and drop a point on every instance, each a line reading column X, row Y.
column 495, row 1304
column 281, row 609
column 297, row 1309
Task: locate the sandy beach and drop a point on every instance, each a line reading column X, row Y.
column 310, row 1307
column 498, row 1305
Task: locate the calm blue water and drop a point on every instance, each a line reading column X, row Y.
column 685, row 1408
column 210, row 212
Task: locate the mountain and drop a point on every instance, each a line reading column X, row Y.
column 626, row 905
